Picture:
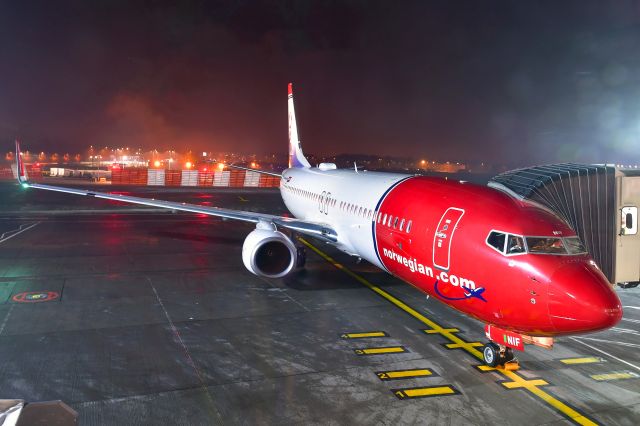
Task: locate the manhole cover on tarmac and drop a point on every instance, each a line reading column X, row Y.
column 35, row 296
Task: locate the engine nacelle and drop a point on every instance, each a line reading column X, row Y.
column 269, row 253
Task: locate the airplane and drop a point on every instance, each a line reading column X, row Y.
column 510, row 263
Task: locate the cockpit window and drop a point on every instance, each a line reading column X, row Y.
column 574, row 245
column 546, row 245
column 515, row 245
column 496, row 240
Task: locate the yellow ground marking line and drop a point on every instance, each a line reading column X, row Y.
column 403, row 374
column 533, row 388
column 364, row 335
column 380, row 351
column 450, row 330
column 424, row 392
column 585, row 360
column 615, row 376
column 242, row 199
column 466, row 345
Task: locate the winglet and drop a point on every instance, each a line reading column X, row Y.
column 296, row 157
column 21, row 170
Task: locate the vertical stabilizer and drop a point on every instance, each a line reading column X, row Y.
column 21, row 170
column 296, row 157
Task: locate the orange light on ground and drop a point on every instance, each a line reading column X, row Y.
column 188, row 164
column 156, row 163
column 221, row 166
column 204, row 170
column 253, row 165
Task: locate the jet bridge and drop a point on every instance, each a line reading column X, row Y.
column 600, row 202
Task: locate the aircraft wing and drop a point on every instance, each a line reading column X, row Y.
column 313, row 229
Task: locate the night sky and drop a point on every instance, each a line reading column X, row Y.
column 516, row 82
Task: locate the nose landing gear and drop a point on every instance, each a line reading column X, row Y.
column 495, row 355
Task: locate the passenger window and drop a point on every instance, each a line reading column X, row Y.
column 395, row 223
column 360, row 211
column 390, row 221
column 401, row 224
column 379, row 217
column 384, row 220
column 496, row 240
column 408, row 227
column 515, row 245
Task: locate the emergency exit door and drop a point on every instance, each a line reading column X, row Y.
column 444, row 236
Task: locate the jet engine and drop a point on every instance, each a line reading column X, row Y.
column 267, row 252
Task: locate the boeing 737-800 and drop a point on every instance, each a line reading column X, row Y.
column 510, row 263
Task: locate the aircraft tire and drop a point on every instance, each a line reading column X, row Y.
column 491, row 354
column 508, row 356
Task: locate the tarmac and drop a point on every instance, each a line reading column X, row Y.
column 135, row 315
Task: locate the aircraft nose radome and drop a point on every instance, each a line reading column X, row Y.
column 581, row 300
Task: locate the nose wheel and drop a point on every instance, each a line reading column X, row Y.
column 494, row 354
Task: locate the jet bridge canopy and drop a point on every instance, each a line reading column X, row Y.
column 583, row 195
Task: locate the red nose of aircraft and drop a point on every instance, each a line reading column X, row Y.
column 582, row 300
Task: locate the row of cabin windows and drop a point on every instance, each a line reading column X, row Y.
column 387, row 220
column 310, row 195
column 356, row 210
column 394, row 222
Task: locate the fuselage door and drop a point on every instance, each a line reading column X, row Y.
column 443, row 237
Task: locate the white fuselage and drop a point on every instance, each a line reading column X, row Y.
column 345, row 200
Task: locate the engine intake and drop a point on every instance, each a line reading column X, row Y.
column 269, row 253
